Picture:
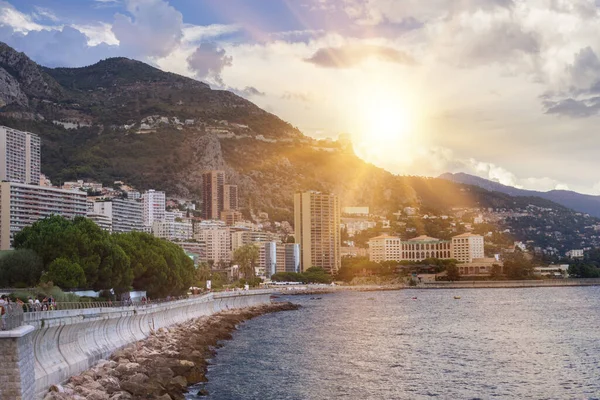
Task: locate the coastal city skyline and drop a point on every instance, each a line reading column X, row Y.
column 383, row 72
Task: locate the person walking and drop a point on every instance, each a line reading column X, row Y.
column 3, row 311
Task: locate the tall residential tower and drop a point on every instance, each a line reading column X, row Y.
column 317, row 230
column 20, row 156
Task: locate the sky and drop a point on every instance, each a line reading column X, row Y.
column 508, row 90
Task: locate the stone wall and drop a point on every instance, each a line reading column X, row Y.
column 17, row 364
column 60, row 344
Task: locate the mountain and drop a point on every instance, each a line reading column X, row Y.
column 121, row 119
column 580, row 202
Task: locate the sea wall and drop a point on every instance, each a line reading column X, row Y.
column 55, row 345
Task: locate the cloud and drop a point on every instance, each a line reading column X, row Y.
column 42, row 14
column 573, row 108
column 249, row 91
column 58, row 48
column 208, row 61
column 15, row 19
column 153, row 28
column 297, row 96
column 351, row 55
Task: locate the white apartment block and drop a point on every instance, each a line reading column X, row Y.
column 21, row 205
column 154, row 206
column 173, row 227
column 20, row 156
column 467, row 247
column 103, row 221
column 217, row 242
column 126, row 215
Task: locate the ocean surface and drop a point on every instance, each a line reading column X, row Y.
column 541, row 343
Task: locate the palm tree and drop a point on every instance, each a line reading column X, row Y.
column 247, row 258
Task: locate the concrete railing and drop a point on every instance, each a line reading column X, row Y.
column 64, row 343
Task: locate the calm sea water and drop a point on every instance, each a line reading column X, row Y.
column 541, row 343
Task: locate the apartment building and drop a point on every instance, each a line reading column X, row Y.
column 21, row 205
column 20, row 156
column 317, row 230
column 126, row 215
column 154, row 203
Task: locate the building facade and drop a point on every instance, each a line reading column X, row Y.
column 242, row 238
column 127, row 215
column 467, row 247
column 230, row 198
column 103, row 221
column 20, row 156
column 464, row 248
column 21, row 205
column 213, row 183
column 217, row 243
column 317, row 230
column 154, row 203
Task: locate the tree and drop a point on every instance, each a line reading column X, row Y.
column 453, row 273
column 496, row 272
column 246, row 257
column 20, row 268
column 65, row 274
column 517, row 266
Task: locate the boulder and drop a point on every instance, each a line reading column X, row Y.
column 124, row 369
column 110, row 384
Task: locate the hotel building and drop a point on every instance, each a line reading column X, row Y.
column 317, row 230
column 464, row 248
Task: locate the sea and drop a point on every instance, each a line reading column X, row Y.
column 537, row 343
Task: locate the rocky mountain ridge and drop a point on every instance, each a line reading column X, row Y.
column 121, row 119
column 577, row 201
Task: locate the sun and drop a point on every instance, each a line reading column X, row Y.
column 386, row 123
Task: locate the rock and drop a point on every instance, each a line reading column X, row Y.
column 110, row 384
column 57, row 388
column 127, row 368
column 145, row 390
column 138, row 378
column 162, row 375
column 195, row 375
column 165, row 397
column 182, row 367
column 202, row 392
column 97, row 395
column 121, row 396
column 178, row 382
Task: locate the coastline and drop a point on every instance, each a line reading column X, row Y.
column 534, row 283
column 162, row 366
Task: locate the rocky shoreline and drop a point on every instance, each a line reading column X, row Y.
column 162, row 366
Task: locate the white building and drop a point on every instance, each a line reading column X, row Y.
column 359, row 211
column 173, row 227
column 354, row 226
column 20, row 156
column 391, row 248
column 21, row 205
column 467, row 247
column 126, row 215
column 154, row 206
column 575, row 253
column 103, row 221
